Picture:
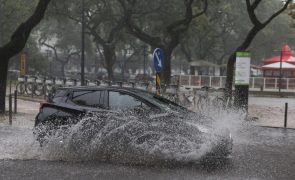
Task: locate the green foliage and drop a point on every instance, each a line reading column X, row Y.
column 212, row 37
column 13, row 13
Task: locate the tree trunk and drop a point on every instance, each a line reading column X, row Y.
column 232, row 59
column 110, row 73
column 3, row 80
column 62, row 70
column 16, row 44
column 123, row 71
column 230, row 75
column 109, row 55
column 192, row 70
column 166, row 72
column 96, row 66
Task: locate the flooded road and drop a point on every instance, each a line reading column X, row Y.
column 258, row 153
column 262, row 154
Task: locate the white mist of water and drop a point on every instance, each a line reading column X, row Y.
column 125, row 138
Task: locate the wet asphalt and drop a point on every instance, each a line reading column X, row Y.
column 259, row 153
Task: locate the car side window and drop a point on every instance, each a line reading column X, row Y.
column 90, row 98
column 119, row 100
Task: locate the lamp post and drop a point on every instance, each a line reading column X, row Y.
column 83, row 45
column 49, row 58
column 281, row 74
column 281, row 69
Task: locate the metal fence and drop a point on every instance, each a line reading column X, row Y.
column 256, row 83
column 38, row 86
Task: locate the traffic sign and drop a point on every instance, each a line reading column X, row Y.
column 158, row 59
column 23, row 64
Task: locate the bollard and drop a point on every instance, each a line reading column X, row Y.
column 10, row 109
column 286, row 115
column 15, row 101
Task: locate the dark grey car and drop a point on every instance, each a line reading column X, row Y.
column 69, row 105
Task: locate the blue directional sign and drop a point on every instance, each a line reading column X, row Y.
column 158, row 59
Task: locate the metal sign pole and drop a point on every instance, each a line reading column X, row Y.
column 83, row 45
column 158, row 57
column 158, row 84
column 23, row 64
column 280, row 79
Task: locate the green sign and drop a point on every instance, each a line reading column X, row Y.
column 243, row 63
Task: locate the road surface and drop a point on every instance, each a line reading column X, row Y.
column 263, row 153
column 259, row 153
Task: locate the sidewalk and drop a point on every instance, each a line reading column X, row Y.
column 25, row 117
column 271, row 111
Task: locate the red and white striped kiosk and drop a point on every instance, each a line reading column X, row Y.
column 286, row 62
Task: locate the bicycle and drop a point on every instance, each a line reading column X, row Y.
column 49, row 85
column 39, row 86
column 21, row 87
column 30, row 85
column 204, row 102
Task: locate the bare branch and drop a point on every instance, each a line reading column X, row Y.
column 277, row 13
column 255, row 4
column 120, row 25
column 203, row 11
column 182, row 25
column 22, row 33
column 77, row 53
column 251, row 12
column 54, row 51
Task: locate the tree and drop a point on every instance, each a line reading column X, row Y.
column 61, row 37
column 258, row 25
column 12, row 13
column 104, row 24
column 202, row 40
column 16, row 44
column 165, row 32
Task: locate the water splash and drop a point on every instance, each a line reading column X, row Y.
column 125, row 138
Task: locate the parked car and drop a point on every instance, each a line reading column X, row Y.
column 67, row 106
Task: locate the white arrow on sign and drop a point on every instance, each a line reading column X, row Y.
column 159, row 60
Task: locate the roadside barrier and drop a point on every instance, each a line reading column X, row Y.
column 40, row 86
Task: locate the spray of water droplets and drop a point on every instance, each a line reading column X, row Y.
column 124, row 137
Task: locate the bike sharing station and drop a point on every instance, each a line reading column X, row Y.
column 158, row 57
column 242, row 80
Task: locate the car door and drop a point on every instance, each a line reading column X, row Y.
column 119, row 100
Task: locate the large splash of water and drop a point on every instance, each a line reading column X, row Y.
column 126, row 138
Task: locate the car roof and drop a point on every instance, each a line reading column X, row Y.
column 129, row 89
column 139, row 92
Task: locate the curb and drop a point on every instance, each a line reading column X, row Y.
column 275, row 127
column 30, row 99
column 271, row 94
